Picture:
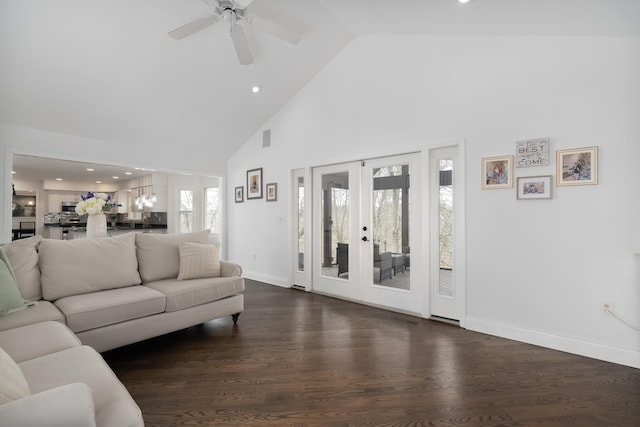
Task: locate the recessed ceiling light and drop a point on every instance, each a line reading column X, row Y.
column 98, row 182
column 13, row 171
column 128, row 173
column 465, row 1
column 90, row 169
column 58, row 179
column 255, row 89
column 115, row 177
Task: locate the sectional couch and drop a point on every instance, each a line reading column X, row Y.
column 119, row 290
column 93, row 295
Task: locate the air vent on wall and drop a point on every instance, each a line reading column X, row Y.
column 266, row 138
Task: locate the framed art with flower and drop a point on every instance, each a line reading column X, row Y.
column 497, row 172
column 577, row 166
column 254, row 184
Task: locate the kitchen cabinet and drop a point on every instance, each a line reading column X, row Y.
column 56, row 197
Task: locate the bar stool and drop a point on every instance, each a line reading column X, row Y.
column 27, row 229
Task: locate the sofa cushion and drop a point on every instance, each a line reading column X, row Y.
column 89, row 311
column 23, row 256
column 10, row 298
column 189, row 293
column 13, row 385
column 69, row 405
column 31, row 341
column 73, row 267
column 198, row 261
column 114, row 406
column 159, row 256
column 41, row 312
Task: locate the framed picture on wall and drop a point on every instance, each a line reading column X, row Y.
column 577, row 166
column 272, row 192
column 239, row 194
column 534, row 187
column 254, row 184
column 497, row 172
column 23, row 206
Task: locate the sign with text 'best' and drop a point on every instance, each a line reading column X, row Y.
column 532, row 152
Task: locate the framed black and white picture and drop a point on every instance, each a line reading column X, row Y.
column 272, row 192
column 239, row 194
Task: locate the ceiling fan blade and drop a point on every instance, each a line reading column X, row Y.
column 277, row 30
column 192, row 27
column 241, row 45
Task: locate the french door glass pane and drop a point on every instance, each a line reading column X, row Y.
column 335, row 225
column 445, row 286
column 390, row 227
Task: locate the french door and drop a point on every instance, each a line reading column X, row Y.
column 366, row 228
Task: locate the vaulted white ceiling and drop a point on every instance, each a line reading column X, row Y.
column 106, row 69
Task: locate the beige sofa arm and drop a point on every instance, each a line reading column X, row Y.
column 70, row 405
column 228, row 269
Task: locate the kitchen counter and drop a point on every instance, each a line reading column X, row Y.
column 112, row 231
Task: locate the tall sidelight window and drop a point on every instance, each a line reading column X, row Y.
column 300, row 223
column 213, row 209
column 186, row 211
column 445, row 287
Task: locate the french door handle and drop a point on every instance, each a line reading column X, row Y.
column 365, row 239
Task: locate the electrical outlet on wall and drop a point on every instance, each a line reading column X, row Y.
column 606, row 306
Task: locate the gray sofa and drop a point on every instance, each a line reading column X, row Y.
column 119, row 290
column 94, row 295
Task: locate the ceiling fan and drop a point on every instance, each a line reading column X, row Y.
column 233, row 13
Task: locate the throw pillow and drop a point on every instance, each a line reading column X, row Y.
column 23, row 257
column 159, row 254
column 198, row 261
column 10, row 298
column 13, row 384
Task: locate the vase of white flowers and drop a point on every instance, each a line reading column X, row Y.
column 95, row 205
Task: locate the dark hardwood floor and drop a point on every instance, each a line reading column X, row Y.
column 296, row 358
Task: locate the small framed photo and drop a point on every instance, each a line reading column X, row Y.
column 239, row 194
column 534, row 187
column 272, row 192
column 577, row 166
column 497, row 172
column 254, row 184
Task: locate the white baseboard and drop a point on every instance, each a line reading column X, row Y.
column 272, row 280
column 611, row 354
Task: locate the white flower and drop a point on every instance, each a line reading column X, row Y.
column 94, row 203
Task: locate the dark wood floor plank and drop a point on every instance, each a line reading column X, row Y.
column 296, row 358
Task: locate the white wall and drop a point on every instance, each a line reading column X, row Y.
column 537, row 270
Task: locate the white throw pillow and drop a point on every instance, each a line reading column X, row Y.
column 198, row 261
column 13, row 384
column 159, row 254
